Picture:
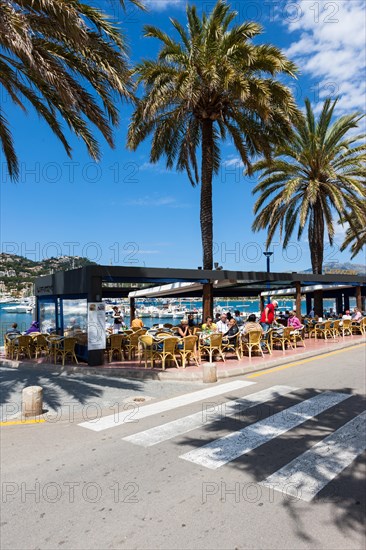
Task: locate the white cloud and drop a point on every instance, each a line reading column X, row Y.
column 152, row 201
column 147, row 252
column 161, row 5
column 331, row 49
column 233, row 161
column 153, row 167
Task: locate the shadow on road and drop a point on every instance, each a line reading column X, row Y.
column 345, row 494
column 59, row 388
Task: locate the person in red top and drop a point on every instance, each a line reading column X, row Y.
column 268, row 315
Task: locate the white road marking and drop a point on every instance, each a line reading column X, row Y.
column 223, row 450
column 131, row 414
column 310, row 472
column 209, row 414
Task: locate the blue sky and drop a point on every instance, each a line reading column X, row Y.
column 125, row 211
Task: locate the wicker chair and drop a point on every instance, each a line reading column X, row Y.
column 233, row 345
column 335, row 328
column 266, row 341
column 23, row 346
column 9, row 346
column 214, row 345
column 322, row 330
column 252, row 342
column 168, row 351
column 359, row 328
column 67, row 348
column 115, row 344
column 40, row 345
column 346, row 327
column 283, row 339
column 132, row 343
column 188, row 350
column 147, row 349
column 298, row 335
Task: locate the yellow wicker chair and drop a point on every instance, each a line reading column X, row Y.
column 9, row 346
column 67, row 348
column 322, row 330
column 298, row 335
column 346, row 327
column 115, row 344
column 266, row 341
column 336, row 329
column 214, row 345
column 359, row 328
column 233, row 345
column 147, row 349
column 188, row 350
column 23, row 346
column 283, row 339
column 168, row 351
column 132, row 343
column 252, row 342
column 40, row 345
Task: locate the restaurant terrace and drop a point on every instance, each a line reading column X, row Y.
column 56, row 293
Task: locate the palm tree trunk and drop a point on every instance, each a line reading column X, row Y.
column 316, row 241
column 206, row 193
column 206, row 211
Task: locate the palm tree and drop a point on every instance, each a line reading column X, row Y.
column 210, row 84
column 53, row 55
column 319, row 173
column 356, row 232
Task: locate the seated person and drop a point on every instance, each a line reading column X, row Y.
column 230, row 334
column 293, row 321
column 239, row 320
column 137, row 322
column 183, row 329
column 332, row 314
column 346, row 316
column 282, row 320
column 222, row 325
column 357, row 315
column 251, row 324
column 13, row 332
column 191, row 322
column 209, row 325
column 33, row 328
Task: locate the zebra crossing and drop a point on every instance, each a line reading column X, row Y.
column 305, row 475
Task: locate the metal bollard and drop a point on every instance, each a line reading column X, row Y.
column 32, row 401
column 209, row 373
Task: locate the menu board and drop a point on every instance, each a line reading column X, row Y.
column 96, row 325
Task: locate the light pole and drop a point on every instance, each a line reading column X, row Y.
column 268, row 255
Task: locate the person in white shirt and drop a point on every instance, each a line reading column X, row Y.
column 346, row 316
column 222, row 325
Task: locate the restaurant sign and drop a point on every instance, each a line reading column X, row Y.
column 96, row 326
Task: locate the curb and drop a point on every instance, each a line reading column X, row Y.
column 181, row 375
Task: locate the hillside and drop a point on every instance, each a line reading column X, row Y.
column 17, row 273
column 342, row 268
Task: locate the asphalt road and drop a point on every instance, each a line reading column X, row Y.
column 281, row 468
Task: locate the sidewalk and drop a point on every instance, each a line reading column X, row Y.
column 231, row 367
